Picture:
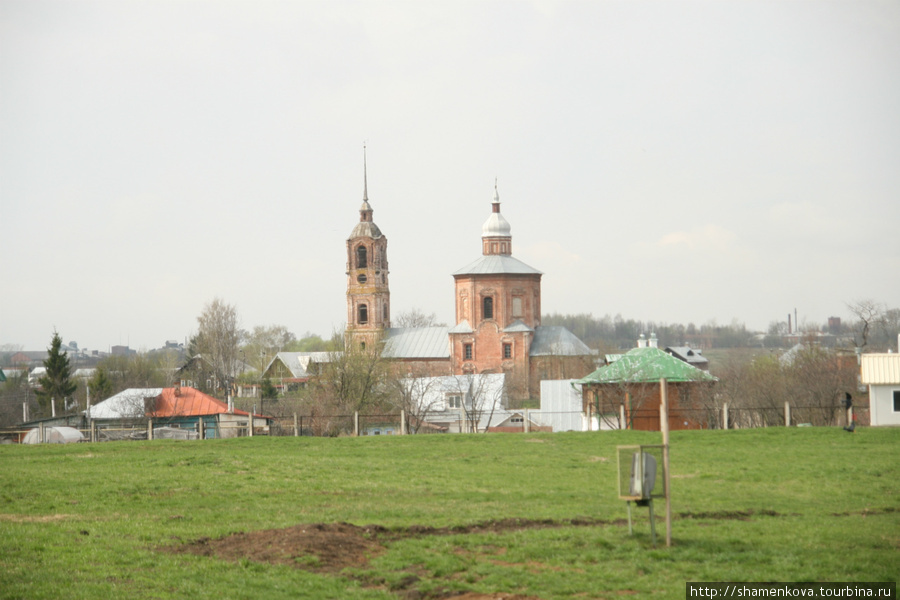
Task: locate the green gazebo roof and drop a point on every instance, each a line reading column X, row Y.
column 646, row 365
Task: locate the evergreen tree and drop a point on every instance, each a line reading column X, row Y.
column 100, row 385
column 267, row 390
column 56, row 382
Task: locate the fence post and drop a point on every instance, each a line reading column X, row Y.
column 150, row 429
column 402, row 422
column 787, row 414
column 93, row 431
column 250, row 423
column 296, row 429
column 200, row 427
column 621, row 416
column 724, row 415
column 525, row 427
column 356, row 423
column 41, row 431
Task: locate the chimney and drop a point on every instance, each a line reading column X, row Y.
column 654, row 343
column 177, row 389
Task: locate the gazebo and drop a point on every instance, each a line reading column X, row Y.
column 630, row 386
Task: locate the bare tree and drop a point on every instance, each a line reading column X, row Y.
column 351, row 381
column 264, row 342
column 418, row 395
column 870, row 314
column 218, row 338
column 478, row 396
column 415, row 317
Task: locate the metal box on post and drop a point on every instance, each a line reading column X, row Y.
column 640, row 469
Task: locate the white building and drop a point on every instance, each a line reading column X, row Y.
column 881, row 372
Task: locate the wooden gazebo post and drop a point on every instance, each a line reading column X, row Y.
column 664, row 428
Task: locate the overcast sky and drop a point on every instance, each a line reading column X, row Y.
column 666, row 160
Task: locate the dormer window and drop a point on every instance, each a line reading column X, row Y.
column 362, row 261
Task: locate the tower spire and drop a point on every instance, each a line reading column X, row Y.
column 365, row 176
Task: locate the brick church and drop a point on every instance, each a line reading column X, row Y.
column 498, row 314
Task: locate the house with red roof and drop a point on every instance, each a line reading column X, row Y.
column 182, row 407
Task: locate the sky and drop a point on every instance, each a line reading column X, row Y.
column 681, row 162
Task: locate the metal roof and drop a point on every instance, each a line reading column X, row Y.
column 692, row 356
column 366, row 229
column 518, row 326
column 127, row 404
column 881, row 369
column 298, row 362
column 461, row 327
column 557, row 341
column 417, row 342
column 497, row 263
column 646, row 365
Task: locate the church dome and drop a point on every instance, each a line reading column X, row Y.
column 366, row 229
column 496, row 225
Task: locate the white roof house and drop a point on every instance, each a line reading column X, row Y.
column 127, row 404
column 460, row 402
column 881, row 372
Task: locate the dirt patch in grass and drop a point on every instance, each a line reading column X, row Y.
column 329, row 548
column 332, row 547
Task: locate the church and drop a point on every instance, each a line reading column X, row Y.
column 498, row 314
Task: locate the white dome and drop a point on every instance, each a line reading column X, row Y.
column 496, row 225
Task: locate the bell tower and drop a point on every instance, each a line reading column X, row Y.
column 368, row 290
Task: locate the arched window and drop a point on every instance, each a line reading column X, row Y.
column 361, row 257
column 487, row 307
column 363, row 314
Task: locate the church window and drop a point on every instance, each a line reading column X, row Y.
column 467, row 351
column 363, row 314
column 362, row 278
column 517, row 307
column 384, row 312
column 507, row 350
column 362, row 260
column 488, row 307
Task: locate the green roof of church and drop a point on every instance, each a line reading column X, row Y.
column 646, row 365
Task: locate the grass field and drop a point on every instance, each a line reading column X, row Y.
column 510, row 515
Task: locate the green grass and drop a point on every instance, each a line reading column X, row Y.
column 799, row 504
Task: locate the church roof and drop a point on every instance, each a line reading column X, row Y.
column 556, row 340
column 518, row 326
column 417, row 342
column 497, row 263
column 461, row 327
column 366, row 229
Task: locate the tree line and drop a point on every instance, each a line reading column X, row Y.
column 221, row 356
column 873, row 326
